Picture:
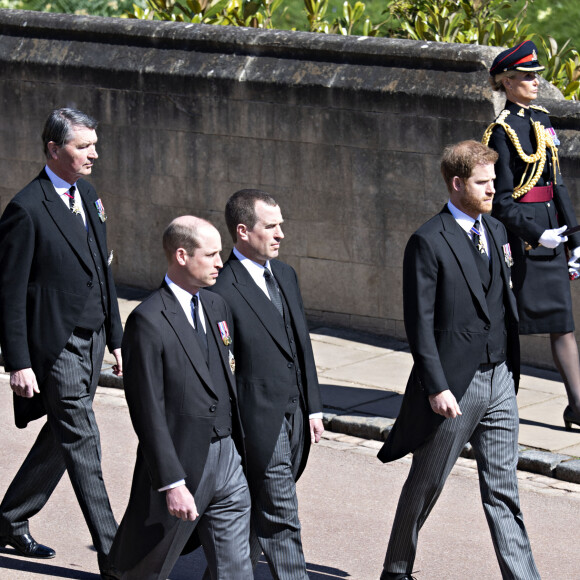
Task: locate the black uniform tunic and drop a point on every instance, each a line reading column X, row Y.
column 540, row 275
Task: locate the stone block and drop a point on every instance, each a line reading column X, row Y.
column 364, row 427
column 541, row 462
column 569, row 470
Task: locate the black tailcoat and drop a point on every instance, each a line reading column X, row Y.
column 265, row 372
column 447, row 323
column 172, row 402
column 45, row 279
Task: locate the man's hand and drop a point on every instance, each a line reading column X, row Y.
column 23, row 383
column 181, row 504
column 118, row 368
column 445, row 403
column 316, row 430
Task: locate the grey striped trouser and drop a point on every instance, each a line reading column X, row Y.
column 490, row 422
column 222, row 499
column 68, row 441
column 275, row 524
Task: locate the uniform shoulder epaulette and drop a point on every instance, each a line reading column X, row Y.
column 539, row 108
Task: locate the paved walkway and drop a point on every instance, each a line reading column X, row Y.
column 363, row 378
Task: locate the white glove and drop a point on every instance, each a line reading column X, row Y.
column 574, row 258
column 552, row 238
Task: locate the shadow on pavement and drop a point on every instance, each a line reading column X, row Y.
column 42, row 568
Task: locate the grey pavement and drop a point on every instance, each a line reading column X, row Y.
column 347, row 502
column 363, row 378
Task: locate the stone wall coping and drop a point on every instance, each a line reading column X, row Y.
column 385, row 52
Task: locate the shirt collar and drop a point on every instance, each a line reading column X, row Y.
column 253, row 267
column 59, row 184
column 183, row 296
column 466, row 222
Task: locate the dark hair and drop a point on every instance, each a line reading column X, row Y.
column 181, row 235
column 240, row 209
column 459, row 160
column 58, row 126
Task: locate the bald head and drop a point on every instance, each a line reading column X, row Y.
column 192, row 246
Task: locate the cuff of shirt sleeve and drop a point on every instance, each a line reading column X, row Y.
column 172, row 485
column 315, row 416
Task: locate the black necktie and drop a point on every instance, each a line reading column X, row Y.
column 199, row 330
column 477, row 239
column 273, row 291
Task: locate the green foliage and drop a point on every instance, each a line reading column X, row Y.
column 89, row 7
column 562, row 66
column 478, row 22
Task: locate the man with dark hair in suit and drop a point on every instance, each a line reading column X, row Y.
column 461, row 323
column 180, row 388
column 58, row 310
column 278, row 390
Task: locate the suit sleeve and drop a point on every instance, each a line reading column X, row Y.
column 143, row 353
column 420, row 276
column 313, row 391
column 17, row 240
column 517, row 217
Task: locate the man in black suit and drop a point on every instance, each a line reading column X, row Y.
column 179, row 384
column 58, row 310
column 276, row 378
column 461, row 323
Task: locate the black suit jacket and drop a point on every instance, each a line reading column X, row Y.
column 45, row 279
column 447, row 323
column 264, row 366
column 171, row 401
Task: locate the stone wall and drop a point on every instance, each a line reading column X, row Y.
column 345, row 132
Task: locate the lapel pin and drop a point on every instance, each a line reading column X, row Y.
column 232, row 362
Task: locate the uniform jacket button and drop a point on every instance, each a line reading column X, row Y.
column 213, row 408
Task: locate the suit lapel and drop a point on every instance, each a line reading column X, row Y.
column 211, row 327
column 492, row 229
column 71, row 230
column 287, row 284
column 178, row 321
column 458, row 243
column 259, row 303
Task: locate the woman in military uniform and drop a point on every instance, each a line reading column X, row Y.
column 533, row 203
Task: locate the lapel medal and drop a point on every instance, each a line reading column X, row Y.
column 552, row 133
column 507, row 255
column 232, row 362
column 225, row 333
column 101, row 210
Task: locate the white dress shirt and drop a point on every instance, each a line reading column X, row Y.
column 466, row 224
column 62, row 188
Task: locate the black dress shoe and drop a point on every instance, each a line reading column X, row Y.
column 26, row 545
column 570, row 418
column 396, row 576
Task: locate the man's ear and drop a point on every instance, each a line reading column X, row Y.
column 180, row 256
column 457, row 184
column 242, row 232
